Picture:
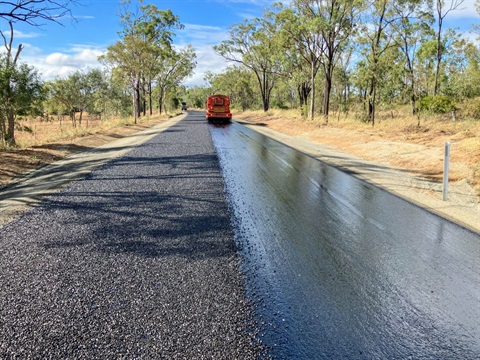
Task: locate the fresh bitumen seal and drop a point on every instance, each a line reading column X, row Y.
column 136, row 260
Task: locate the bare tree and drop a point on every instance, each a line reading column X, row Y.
column 35, row 12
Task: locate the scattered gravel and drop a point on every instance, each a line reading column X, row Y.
column 135, row 261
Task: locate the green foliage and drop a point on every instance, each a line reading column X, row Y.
column 197, row 96
column 145, row 53
column 439, row 104
column 238, row 83
column 21, row 90
column 471, row 108
column 175, row 103
column 254, row 44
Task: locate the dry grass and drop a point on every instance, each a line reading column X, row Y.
column 40, row 143
column 396, row 140
column 36, row 132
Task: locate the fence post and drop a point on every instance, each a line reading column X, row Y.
column 446, row 167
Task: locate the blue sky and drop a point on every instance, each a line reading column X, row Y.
column 59, row 50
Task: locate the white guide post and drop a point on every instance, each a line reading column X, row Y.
column 446, row 167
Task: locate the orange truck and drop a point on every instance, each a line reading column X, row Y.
column 218, row 107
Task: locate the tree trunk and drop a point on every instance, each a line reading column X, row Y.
column 10, row 135
column 371, row 102
column 439, row 49
column 266, row 102
column 139, row 101
column 144, row 101
column 437, row 67
column 312, row 86
column 150, row 97
column 134, row 105
column 160, row 102
column 328, row 90
column 303, row 92
column 2, row 130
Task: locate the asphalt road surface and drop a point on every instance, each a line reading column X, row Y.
column 341, row 269
column 137, row 260
column 147, row 257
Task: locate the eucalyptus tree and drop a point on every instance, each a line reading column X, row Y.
column 34, row 13
column 253, row 44
column 64, row 93
column 171, row 69
column 196, row 95
column 300, row 29
column 320, row 30
column 427, row 62
column 461, row 68
column 113, row 99
column 125, row 60
column 467, row 81
column 238, row 82
column 413, row 27
column 302, row 48
column 376, row 38
column 156, row 27
column 90, row 86
column 76, row 93
column 442, row 9
column 146, row 34
column 343, row 77
column 20, row 91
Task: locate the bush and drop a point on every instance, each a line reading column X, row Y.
column 471, row 108
column 439, row 104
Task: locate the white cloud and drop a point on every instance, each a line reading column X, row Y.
column 17, row 34
column 61, row 64
column 207, row 60
column 202, row 34
column 83, row 57
column 471, row 37
column 466, row 10
column 202, row 38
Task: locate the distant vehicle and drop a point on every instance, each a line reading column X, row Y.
column 184, row 106
column 218, row 107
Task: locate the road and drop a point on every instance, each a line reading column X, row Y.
column 135, row 260
column 147, row 257
column 342, row 269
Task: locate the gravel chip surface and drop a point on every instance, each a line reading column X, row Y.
column 136, row 261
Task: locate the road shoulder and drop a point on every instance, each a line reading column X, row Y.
column 29, row 190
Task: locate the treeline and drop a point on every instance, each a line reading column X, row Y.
column 142, row 72
column 344, row 55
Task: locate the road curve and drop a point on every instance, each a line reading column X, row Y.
column 136, row 260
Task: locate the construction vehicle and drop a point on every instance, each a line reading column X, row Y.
column 218, row 108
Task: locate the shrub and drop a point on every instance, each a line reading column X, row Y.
column 439, row 104
column 471, row 108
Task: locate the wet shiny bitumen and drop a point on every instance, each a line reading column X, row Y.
column 338, row 268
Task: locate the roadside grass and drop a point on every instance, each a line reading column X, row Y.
column 35, row 132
